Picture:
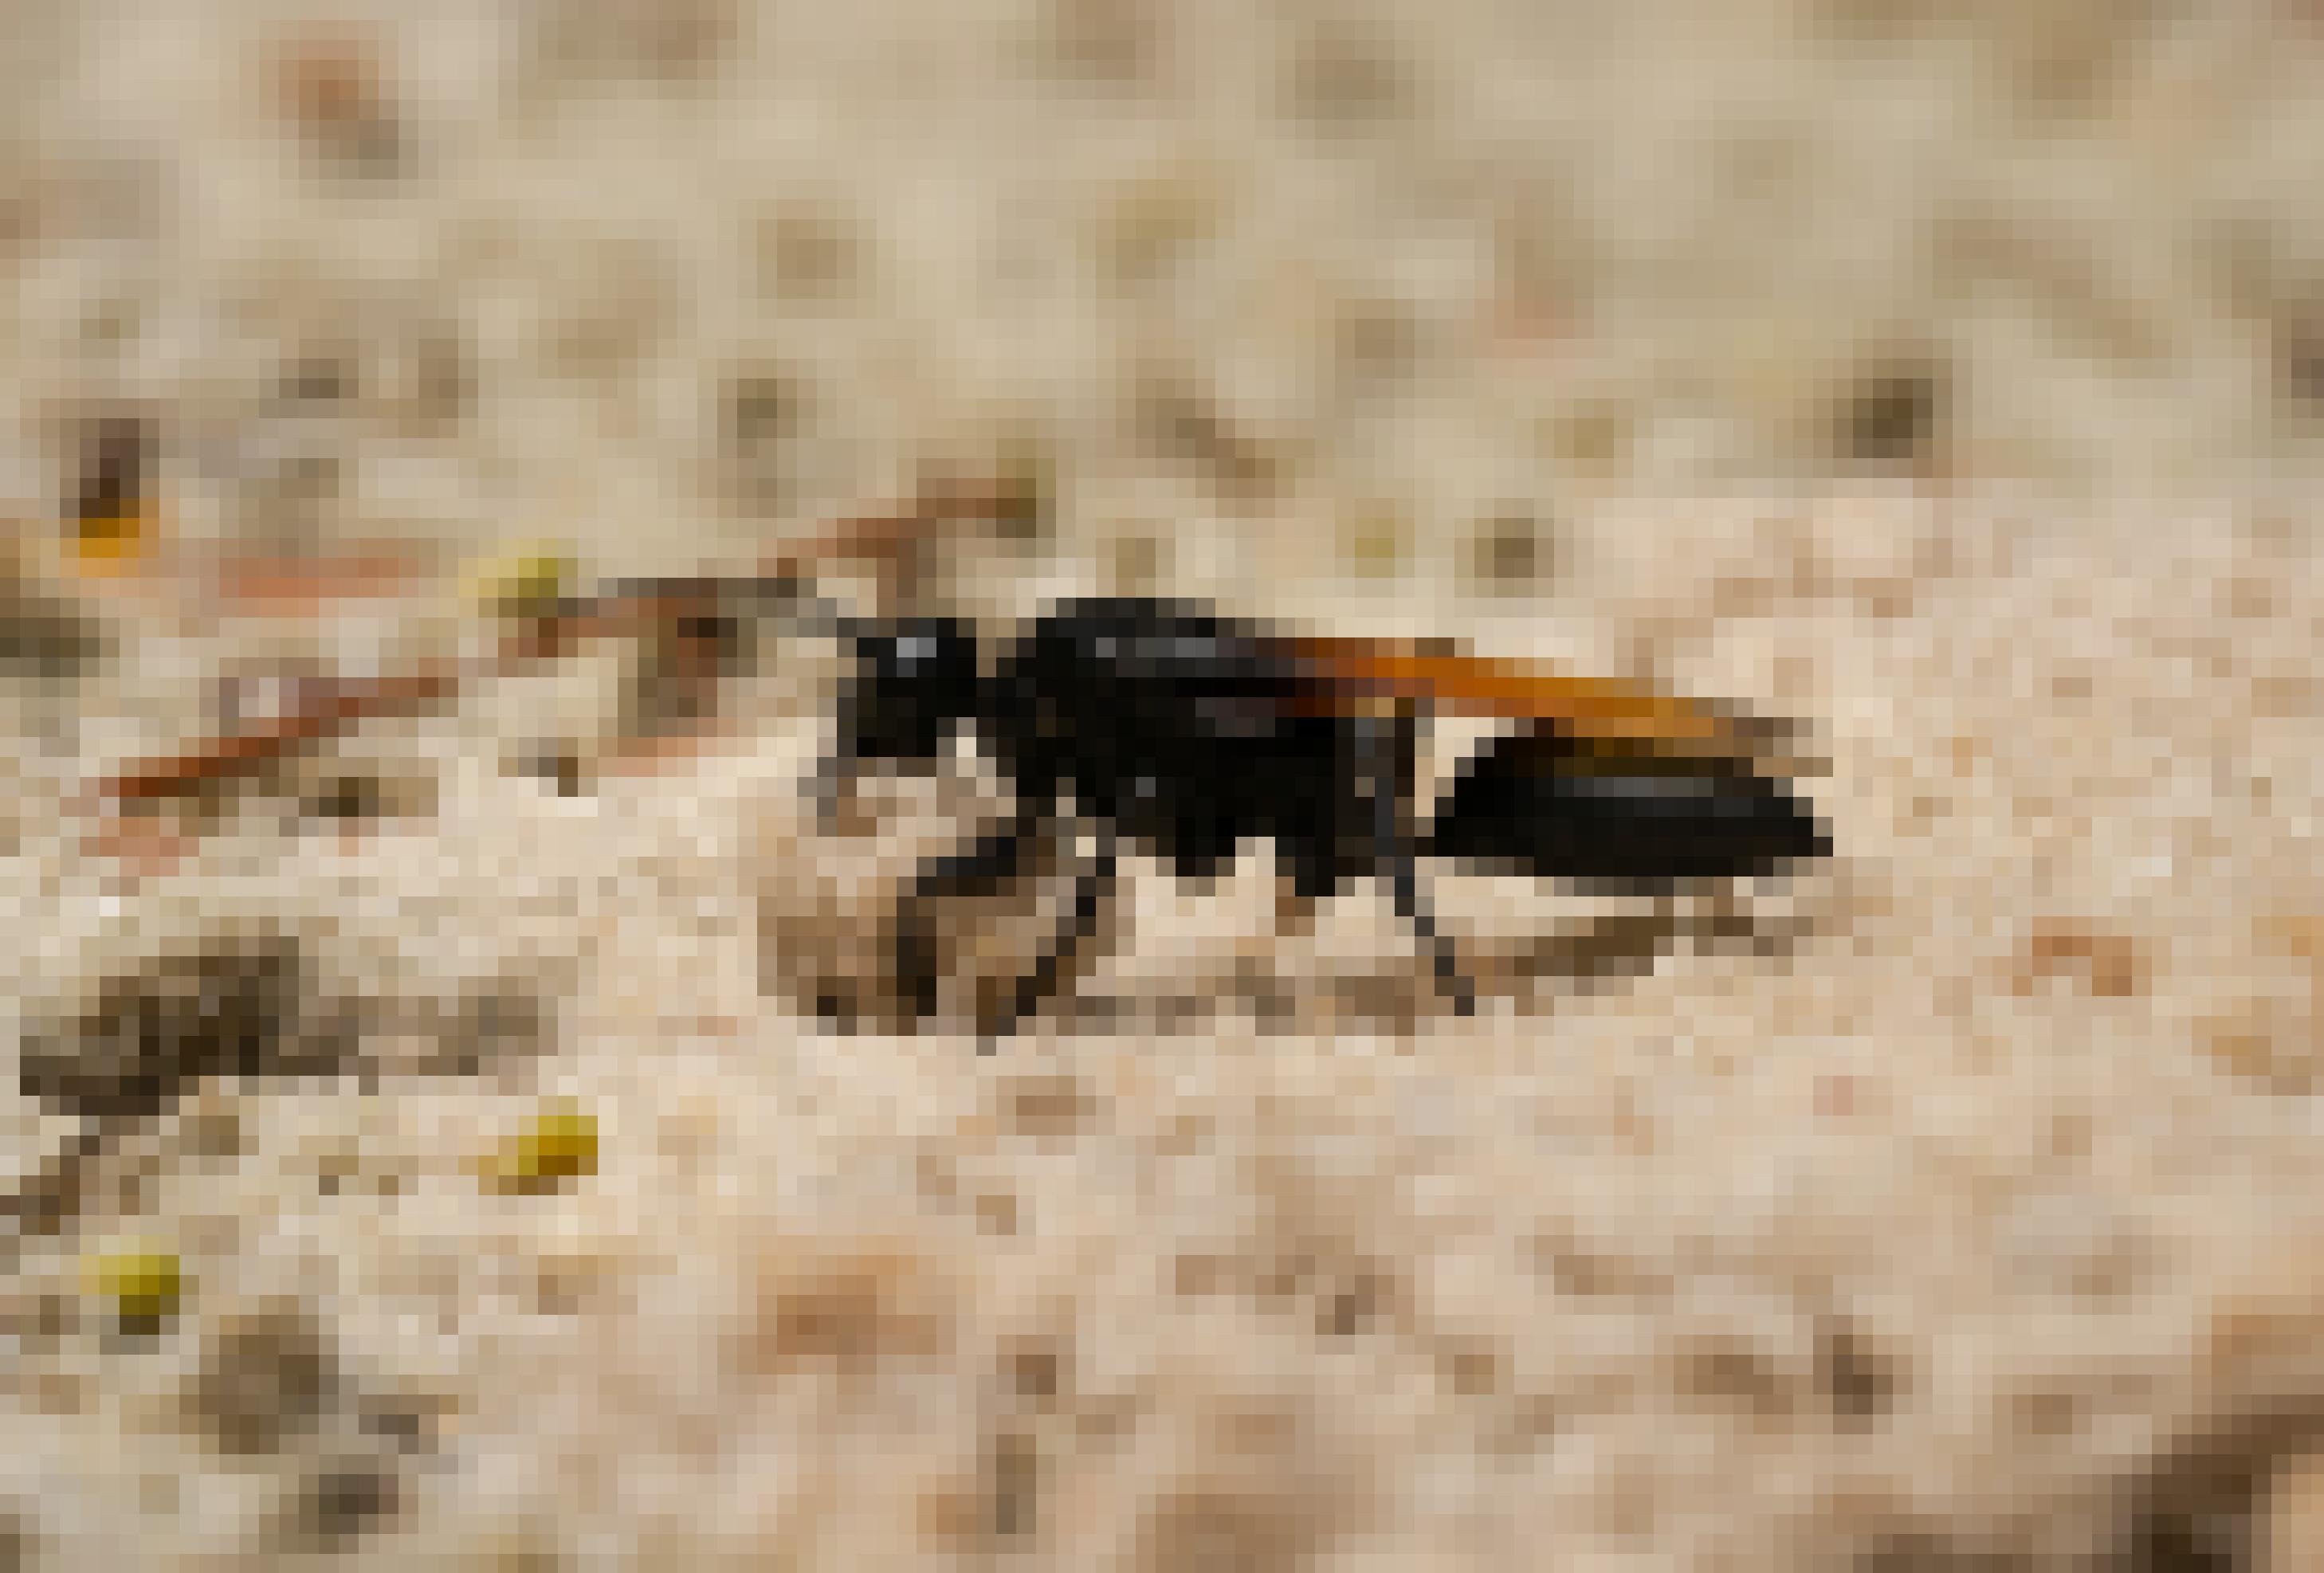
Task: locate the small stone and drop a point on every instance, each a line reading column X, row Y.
column 560, row 1143
column 142, row 1284
column 527, row 581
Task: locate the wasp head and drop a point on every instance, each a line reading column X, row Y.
column 917, row 683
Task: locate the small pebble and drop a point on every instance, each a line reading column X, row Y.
column 521, row 583
column 559, row 1144
column 140, row 1283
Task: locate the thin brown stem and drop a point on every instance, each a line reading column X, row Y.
column 334, row 707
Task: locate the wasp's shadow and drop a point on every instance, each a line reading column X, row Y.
column 1612, row 934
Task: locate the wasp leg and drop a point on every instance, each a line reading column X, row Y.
column 997, row 858
column 1391, row 769
column 833, row 772
column 1295, row 909
column 1091, row 887
column 1404, row 880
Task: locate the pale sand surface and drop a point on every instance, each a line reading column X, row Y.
column 1961, row 1208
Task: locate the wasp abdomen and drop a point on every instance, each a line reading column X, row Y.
column 1536, row 806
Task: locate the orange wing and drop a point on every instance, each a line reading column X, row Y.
column 1590, row 709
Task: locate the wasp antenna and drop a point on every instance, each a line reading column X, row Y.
column 890, row 543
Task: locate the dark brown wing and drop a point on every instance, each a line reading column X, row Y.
column 1349, row 673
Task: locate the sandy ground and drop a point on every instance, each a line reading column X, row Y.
column 1952, row 1212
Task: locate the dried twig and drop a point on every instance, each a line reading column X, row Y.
column 334, row 706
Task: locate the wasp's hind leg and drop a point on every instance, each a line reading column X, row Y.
column 1404, row 882
column 1451, row 980
column 1389, row 749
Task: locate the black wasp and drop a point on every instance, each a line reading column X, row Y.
column 1163, row 726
